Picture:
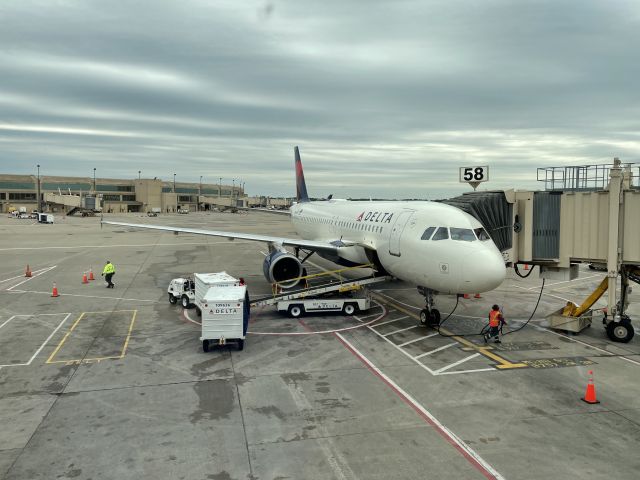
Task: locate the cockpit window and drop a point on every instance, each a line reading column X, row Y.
column 482, row 234
column 463, row 234
column 441, row 234
column 427, row 233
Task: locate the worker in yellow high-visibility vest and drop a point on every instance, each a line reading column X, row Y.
column 108, row 272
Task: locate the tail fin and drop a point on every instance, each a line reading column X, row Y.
column 301, row 186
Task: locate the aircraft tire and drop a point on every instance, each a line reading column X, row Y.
column 424, row 317
column 435, row 317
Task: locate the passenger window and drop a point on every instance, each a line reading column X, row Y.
column 441, row 234
column 427, row 233
column 482, row 234
column 463, row 234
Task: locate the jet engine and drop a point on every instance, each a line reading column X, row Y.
column 282, row 267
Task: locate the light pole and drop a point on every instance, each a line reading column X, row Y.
column 220, row 188
column 139, row 172
column 94, row 179
column 174, row 191
column 39, row 204
column 233, row 188
column 199, row 194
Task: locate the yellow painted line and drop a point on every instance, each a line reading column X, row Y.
column 503, row 363
column 64, row 339
column 77, row 361
column 126, row 342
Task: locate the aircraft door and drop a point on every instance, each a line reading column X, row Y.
column 396, row 232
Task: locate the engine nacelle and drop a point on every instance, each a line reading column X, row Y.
column 282, row 267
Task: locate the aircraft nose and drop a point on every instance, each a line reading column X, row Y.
column 483, row 270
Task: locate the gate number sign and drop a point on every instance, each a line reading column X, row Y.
column 474, row 174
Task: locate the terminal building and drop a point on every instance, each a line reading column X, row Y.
column 64, row 194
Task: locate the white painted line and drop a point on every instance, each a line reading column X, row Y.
column 455, row 364
column 401, row 330
column 475, row 370
column 44, row 270
column 7, row 321
column 86, row 296
column 435, row 351
column 418, row 339
column 471, row 455
column 588, row 345
column 67, row 315
column 49, row 338
column 390, row 321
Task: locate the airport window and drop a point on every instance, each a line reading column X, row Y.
column 427, row 233
column 184, row 198
column 463, row 234
column 2, row 196
column 111, row 198
column 441, row 234
column 128, row 198
column 22, row 196
column 482, row 234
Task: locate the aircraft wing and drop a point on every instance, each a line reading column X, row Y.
column 314, row 245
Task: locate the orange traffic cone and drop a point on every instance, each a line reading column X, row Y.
column 590, row 394
column 54, row 292
column 466, row 295
column 84, row 278
column 477, row 295
column 526, row 266
column 91, row 277
column 27, row 272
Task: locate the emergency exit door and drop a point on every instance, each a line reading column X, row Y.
column 396, row 232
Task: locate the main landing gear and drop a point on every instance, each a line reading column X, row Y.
column 429, row 316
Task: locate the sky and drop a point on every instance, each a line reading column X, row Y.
column 384, row 98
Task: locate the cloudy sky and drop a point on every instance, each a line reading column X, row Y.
column 384, row 98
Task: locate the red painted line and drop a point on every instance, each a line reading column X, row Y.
column 485, row 469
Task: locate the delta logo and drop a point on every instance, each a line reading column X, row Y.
column 375, row 217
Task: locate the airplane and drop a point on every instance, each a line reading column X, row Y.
column 437, row 247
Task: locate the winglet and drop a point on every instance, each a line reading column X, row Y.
column 301, row 186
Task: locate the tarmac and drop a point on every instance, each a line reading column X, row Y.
column 105, row 384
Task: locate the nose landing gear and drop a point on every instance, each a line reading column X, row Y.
column 429, row 316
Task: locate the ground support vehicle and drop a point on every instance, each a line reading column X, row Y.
column 331, row 297
column 182, row 289
column 45, row 218
column 225, row 316
column 347, row 305
column 205, row 281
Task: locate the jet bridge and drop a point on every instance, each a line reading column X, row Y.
column 586, row 214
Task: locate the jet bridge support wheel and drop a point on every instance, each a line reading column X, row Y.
column 621, row 331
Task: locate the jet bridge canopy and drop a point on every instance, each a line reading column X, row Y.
column 492, row 210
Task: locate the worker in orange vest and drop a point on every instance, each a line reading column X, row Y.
column 496, row 320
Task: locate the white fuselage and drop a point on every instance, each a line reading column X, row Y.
column 449, row 258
